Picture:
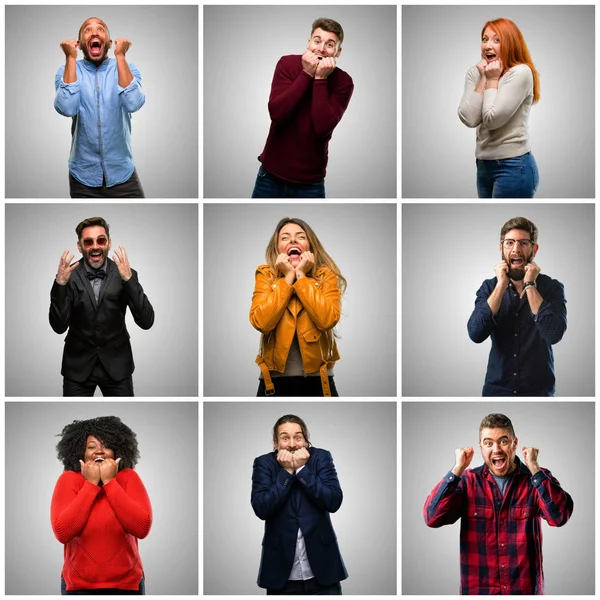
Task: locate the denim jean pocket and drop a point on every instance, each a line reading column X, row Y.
column 511, row 163
column 262, row 171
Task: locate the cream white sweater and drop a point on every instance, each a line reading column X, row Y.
column 501, row 115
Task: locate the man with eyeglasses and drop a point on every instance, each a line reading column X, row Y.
column 90, row 298
column 524, row 312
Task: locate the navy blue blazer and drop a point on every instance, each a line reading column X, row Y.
column 288, row 502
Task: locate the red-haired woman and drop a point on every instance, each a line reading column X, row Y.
column 297, row 302
column 499, row 92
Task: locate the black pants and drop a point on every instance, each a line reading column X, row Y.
column 141, row 591
column 98, row 377
column 132, row 188
column 297, row 386
column 308, row 587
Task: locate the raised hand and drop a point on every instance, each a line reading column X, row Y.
column 531, row 272
column 307, row 262
column 310, row 62
column 121, row 46
column 283, row 264
column 501, row 270
column 325, row 67
column 481, row 65
column 494, row 69
column 90, row 471
column 65, row 268
column 122, row 262
column 530, row 456
column 462, row 459
column 108, row 469
column 286, row 459
column 300, row 458
column 70, row 48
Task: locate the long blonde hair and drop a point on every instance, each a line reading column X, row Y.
column 322, row 259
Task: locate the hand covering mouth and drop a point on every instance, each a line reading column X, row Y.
column 294, row 251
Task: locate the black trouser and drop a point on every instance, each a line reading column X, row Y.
column 98, row 377
column 308, row 587
column 132, row 188
column 297, row 386
column 141, row 591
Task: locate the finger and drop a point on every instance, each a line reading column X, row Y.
column 73, row 267
column 118, row 461
column 81, row 463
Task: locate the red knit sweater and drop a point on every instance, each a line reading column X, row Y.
column 304, row 112
column 100, row 527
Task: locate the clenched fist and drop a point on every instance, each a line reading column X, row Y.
column 121, row 46
column 70, row 48
column 325, row 67
column 530, row 456
column 462, row 459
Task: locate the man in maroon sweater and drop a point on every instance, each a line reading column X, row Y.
column 309, row 95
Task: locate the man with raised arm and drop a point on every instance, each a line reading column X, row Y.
column 500, row 506
column 100, row 94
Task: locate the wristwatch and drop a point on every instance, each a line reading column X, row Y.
column 529, row 284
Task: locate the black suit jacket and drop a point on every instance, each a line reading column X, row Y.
column 288, row 502
column 97, row 330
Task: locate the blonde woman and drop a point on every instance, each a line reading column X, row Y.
column 295, row 305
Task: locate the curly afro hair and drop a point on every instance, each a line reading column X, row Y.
column 111, row 431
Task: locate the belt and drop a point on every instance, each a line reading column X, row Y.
column 270, row 388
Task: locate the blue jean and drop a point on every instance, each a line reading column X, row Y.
column 516, row 177
column 269, row 186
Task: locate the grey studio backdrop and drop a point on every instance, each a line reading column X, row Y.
column 361, row 238
column 564, row 433
column 455, row 247
column 361, row 437
column 167, row 434
column 439, row 45
column 164, row 132
column 250, row 40
column 161, row 241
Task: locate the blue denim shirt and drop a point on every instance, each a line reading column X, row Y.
column 101, row 111
column 521, row 361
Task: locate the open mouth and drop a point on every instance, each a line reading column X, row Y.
column 99, row 459
column 517, row 263
column 499, row 462
column 96, row 257
column 95, row 47
column 294, row 251
column 490, row 56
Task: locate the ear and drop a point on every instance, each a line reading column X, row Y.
column 79, row 247
column 516, row 444
column 109, row 44
column 337, row 54
column 109, row 246
column 535, row 249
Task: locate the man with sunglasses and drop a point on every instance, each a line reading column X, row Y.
column 524, row 312
column 90, row 298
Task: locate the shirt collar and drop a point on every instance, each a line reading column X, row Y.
column 90, row 66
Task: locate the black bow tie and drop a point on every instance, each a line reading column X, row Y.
column 91, row 275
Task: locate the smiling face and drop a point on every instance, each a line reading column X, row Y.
column 94, row 40
column 290, row 437
column 498, row 448
column 519, row 255
column 96, row 451
column 94, row 245
column 324, row 43
column 293, row 241
column 490, row 45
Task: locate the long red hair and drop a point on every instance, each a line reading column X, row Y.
column 513, row 49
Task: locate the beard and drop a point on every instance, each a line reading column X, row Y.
column 95, row 265
column 516, row 274
column 97, row 60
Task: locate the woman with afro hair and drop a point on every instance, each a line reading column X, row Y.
column 100, row 508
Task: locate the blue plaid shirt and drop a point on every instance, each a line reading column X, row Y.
column 521, row 360
column 101, row 111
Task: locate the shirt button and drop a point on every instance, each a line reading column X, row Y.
column 502, row 545
column 516, row 334
column 515, row 356
column 515, row 374
column 515, row 392
column 516, row 314
column 502, row 566
column 504, row 586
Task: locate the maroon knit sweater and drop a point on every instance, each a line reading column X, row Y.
column 304, row 112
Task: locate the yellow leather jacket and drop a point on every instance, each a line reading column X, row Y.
column 310, row 308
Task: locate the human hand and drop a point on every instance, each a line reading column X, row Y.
column 493, row 70
column 501, row 270
column 286, row 459
column 90, row 471
column 65, row 268
column 531, row 272
column 325, row 67
column 530, row 456
column 70, row 48
column 309, row 62
column 121, row 46
column 122, row 262
column 481, row 65
column 307, row 262
column 462, row 459
column 283, row 264
column 108, row 469
column 300, row 458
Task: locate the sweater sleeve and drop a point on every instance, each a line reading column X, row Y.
column 269, row 300
column 329, row 104
column 321, row 298
column 286, row 92
column 499, row 105
column 469, row 110
column 130, row 502
column 71, row 505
